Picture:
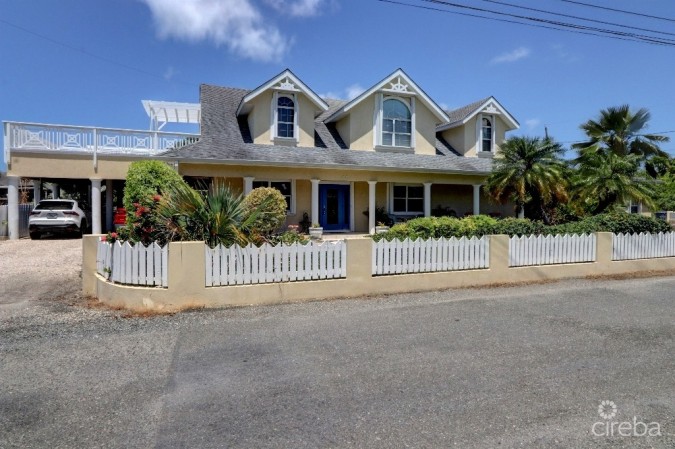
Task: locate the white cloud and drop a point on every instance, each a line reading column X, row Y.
column 532, row 123
column 354, row 91
column 512, row 56
column 563, row 54
column 349, row 93
column 237, row 24
column 298, row 8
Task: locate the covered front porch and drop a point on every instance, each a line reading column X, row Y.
column 343, row 205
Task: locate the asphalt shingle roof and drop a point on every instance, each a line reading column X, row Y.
column 225, row 138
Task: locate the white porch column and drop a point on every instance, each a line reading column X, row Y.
column 476, row 199
column 56, row 191
column 248, row 184
column 13, row 207
column 37, row 191
column 96, row 206
column 371, row 206
column 108, row 205
column 315, row 200
column 427, row 199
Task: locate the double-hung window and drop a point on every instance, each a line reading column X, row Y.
column 408, row 199
column 396, row 123
column 285, row 117
column 285, row 187
column 486, row 134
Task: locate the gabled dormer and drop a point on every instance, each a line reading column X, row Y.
column 395, row 115
column 282, row 111
column 478, row 129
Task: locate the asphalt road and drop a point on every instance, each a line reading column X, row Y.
column 484, row 368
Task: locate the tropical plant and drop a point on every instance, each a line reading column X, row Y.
column 270, row 217
column 665, row 192
column 606, row 180
column 530, row 172
column 219, row 217
column 620, row 131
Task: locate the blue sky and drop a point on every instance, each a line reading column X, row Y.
column 94, row 61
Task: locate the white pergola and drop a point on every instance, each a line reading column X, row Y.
column 163, row 112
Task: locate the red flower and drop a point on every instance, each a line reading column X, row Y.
column 114, row 235
column 156, row 198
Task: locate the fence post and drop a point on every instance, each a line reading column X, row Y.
column 604, row 248
column 187, row 270
column 360, row 259
column 499, row 254
column 89, row 250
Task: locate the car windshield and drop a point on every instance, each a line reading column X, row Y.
column 55, row 205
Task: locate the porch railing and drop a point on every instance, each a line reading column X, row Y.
column 92, row 140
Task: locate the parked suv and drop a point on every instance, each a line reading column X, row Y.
column 57, row 216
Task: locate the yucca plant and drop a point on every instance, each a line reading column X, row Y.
column 219, row 217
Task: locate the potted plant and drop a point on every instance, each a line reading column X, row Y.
column 315, row 231
column 381, row 228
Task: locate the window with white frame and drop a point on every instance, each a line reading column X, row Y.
column 486, row 134
column 396, row 123
column 285, row 187
column 408, row 199
column 285, row 117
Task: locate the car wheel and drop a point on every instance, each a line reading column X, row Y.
column 34, row 235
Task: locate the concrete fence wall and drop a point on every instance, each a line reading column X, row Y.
column 186, row 286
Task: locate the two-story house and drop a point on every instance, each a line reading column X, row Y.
column 391, row 147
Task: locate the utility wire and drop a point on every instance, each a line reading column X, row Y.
column 87, row 53
column 429, row 8
column 638, row 37
column 606, row 8
column 579, row 18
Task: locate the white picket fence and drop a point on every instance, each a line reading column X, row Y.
column 134, row 265
column 643, row 246
column 549, row 250
column 422, row 256
column 236, row 265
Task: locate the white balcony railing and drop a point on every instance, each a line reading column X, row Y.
column 108, row 141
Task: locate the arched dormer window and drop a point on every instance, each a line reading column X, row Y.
column 486, row 134
column 285, row 117
column 396, row 123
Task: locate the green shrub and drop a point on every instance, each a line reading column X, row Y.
column 288, row 238
column 271, row 207
column 145, row 180
column 518, row 226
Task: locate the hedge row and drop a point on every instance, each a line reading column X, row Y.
column 479, row 225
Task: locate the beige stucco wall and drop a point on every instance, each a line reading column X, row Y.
column 425, row 122
column 259, row 119
column 460, row 199
column 186, row 288
column 71, row 165
column 360, row 135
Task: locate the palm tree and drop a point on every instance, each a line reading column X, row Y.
column 605, row 180
column 620, row 131
column 609, row 161
column 219, row 217
column 530, row 172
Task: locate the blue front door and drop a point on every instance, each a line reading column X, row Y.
column 334, row 207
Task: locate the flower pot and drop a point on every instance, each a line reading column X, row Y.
column 381, row 229
column 315, row 233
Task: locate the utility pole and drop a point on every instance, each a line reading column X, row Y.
column 546, row 131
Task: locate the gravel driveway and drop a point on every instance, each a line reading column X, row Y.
column 478, row 368
column 31, row 270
